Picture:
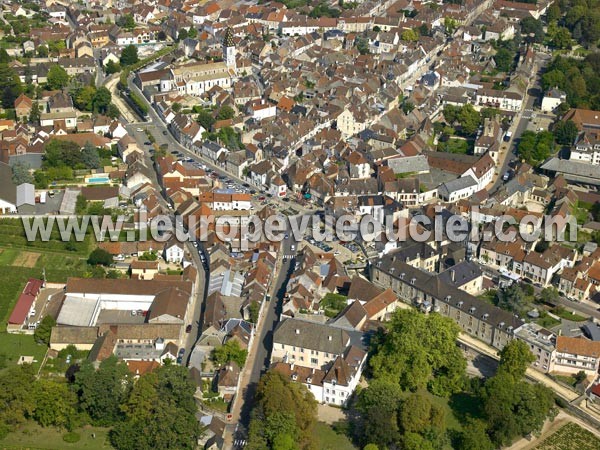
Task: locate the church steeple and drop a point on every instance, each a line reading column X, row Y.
column 229, row 49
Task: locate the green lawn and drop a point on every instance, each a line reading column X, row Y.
column 329, row 440
column 12, row 346
column 568, row 315
column 455, row 145
column 32, row 436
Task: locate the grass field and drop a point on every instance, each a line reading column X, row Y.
column 12, row 346
column 330, row 440
column 34, row 437
column 570, row 437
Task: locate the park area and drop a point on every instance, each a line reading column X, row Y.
column 32, row 436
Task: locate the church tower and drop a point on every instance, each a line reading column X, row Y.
column 229, row 49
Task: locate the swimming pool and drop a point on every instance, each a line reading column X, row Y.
column 98, row 180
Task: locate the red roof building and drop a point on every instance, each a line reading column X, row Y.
column 24, row 304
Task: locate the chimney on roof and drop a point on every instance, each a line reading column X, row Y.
column 297, row 331
column 329, row 338
column 453, row 275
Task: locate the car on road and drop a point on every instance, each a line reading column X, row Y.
column 262, row 198
column 165, row 132
column 293, row 247
column 286, row 236
column 286, row 199
column 188, row 328
column 147, row 143
column 139, row 130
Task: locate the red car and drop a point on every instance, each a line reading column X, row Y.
column 261, row 198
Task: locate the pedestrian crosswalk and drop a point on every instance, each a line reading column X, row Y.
column 239, row 443
column 289, row 256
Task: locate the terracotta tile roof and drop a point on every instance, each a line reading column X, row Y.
column 578, row 346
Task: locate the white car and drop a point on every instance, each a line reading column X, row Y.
column 139, row 129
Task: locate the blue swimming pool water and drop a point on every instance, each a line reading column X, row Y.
column 99, row 180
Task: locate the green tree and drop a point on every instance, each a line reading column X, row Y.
column 34, row 114
column 102, row 392
column 378, row 406
column 415, row 348
column 126, row 21
column 512, row 298
column 560, row 38
column 101, row 257
column 282, row 408
column 44, row 330
column 205, row 119
column 101, row 100
column 42, row 51
column 193, row 33
column 90, row 157
column 21, row 173
column 83, row 98
column 370, row 447
column 10, row 85
column 226, row 112
column 504, row 59
column 182, row 34
column 410, row 35
column 230, row 351
column 54, row 404
column 469, row 119
column 535, row 27
column 112, row 67
column 474, row 436
column 417, row 413
column 129, row 55
column 112, row 111
column 254, row 310
column 515, row 358
column 16, row 397
column 550, row 295
column 565, row 132
column 57, row 77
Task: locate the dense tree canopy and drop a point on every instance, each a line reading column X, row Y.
column 159, row 413
column 534, row 148
column 420, row 351
column 57, row 77
column 580, row 79
column 101, row 392
column 285, row 413
column 129, row 55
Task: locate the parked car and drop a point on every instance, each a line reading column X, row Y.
column 188, row 328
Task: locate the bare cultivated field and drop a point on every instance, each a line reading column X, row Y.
column 26, row 259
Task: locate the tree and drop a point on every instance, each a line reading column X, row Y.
column 282, row 408
column 21, row 173
column 550, row 295
column 54, row 404
column 415, row 348
column 535, row 27
column 226, row 112
column 512, row 298
column 83, row 98
column 101, row 257
column 42, row 51
column 378, row 405
column 469, row 119
column 182, row 34
column 10, row 85
column 515, row 358
column 44, row 330
column 112, row 67
column 127, row 22
column 192, row 33
column 474, row 436
column 34, row 114
column 205, row 119
column 254, row 310
column 90, row 157
column 58, row 78
column 504, row 59
column 112, row 111
column 407, row 107
column 535, row 148
column 370, row 447
column 565, row 132
column 410, row 35
column 15, row 397
column 102, row 392
column 230, row 351
column 560, row 38
column 129, row 55
column 176, row 107
column 101, row 100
